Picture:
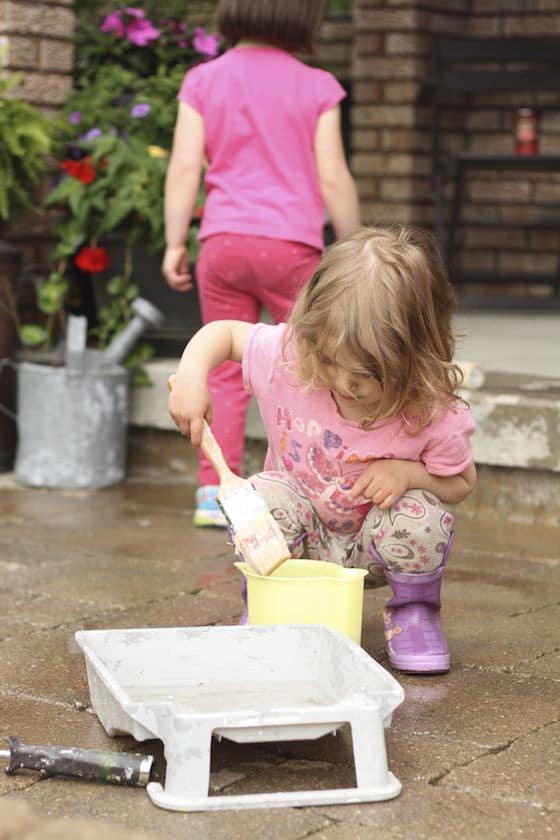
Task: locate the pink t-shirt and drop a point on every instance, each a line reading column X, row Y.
column 260, row 107
column 324, row 453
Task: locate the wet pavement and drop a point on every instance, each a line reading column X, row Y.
column 476, row 750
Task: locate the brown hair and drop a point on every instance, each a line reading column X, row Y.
column 382, row 297
column 289, row 24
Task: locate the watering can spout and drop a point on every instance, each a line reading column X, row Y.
column 145, row 315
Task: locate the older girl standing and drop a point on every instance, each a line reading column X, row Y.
column 269, row 126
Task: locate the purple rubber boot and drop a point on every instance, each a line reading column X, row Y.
column 413, row 634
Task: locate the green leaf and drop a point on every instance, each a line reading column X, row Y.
column 78, row 202
column 116, row 214
column 115, row 286
column 102, row 146
column 72, row 234
column 62, row 192
column 32, row 335
column 50, row 297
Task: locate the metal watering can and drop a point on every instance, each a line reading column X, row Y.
column 72, row 419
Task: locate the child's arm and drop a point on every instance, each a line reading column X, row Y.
column 189, row 401
column 181, row 188
column 337, row 186
column 386, row 480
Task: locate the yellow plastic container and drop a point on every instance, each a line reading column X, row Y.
column 307, row 592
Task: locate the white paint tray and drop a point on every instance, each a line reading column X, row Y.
column 247, row 684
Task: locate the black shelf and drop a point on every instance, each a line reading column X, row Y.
column 534, row 163
column 470, row 66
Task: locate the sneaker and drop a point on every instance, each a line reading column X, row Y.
column 208, row 512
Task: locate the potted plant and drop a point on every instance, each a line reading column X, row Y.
column 112, row 140
column 111, row 144
column 24, row 142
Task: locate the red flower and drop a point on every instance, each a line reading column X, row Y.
column 93, row 260
column 79, row 169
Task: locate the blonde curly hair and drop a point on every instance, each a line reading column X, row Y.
column 381, row 297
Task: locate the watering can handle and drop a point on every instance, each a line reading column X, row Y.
column 8, row 412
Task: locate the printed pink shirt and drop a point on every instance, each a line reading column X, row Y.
column 260, row 107
column 324, row 453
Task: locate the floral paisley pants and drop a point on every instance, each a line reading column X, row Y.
column 413, row 536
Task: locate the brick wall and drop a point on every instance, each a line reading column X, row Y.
column 391, row 131
column 382, row 50
column 36, row 38
column 334, row 45
column 390, row 159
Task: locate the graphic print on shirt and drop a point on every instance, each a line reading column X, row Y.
column 320, row 465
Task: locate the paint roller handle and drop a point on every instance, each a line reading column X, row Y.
column 210, row 446
column 132, row 769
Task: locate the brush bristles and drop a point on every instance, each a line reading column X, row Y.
column 242, row 505
column 261, row 543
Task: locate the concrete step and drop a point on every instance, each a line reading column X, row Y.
column 517, row 416
column 502, row 494
column 516, row 445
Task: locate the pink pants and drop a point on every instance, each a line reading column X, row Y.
column 237, row 275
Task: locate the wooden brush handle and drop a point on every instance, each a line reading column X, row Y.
column 211, row 449
column 210, row 446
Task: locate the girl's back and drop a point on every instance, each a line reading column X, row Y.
column 260, row 107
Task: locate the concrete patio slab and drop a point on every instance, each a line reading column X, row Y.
column 474, row 748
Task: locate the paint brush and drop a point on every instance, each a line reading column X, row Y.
column 257, row 537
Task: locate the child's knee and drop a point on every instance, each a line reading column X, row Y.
column 288, row 507
column 276, row 489
column 414, row 535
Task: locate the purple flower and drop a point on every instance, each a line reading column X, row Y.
column 141, row 109
column 141, row 32
column 92, row 134
column 75, row 117
column 55, row 181
column 113, row 23
column 205, row 43
column 135, row 12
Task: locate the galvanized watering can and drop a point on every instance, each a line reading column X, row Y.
column 72, row 425
column 72, row 419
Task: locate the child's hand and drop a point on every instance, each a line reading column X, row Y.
column 175, row 268
column 189, row 406
column 384, row 482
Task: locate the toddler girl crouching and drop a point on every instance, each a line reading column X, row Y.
column 367, row 440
